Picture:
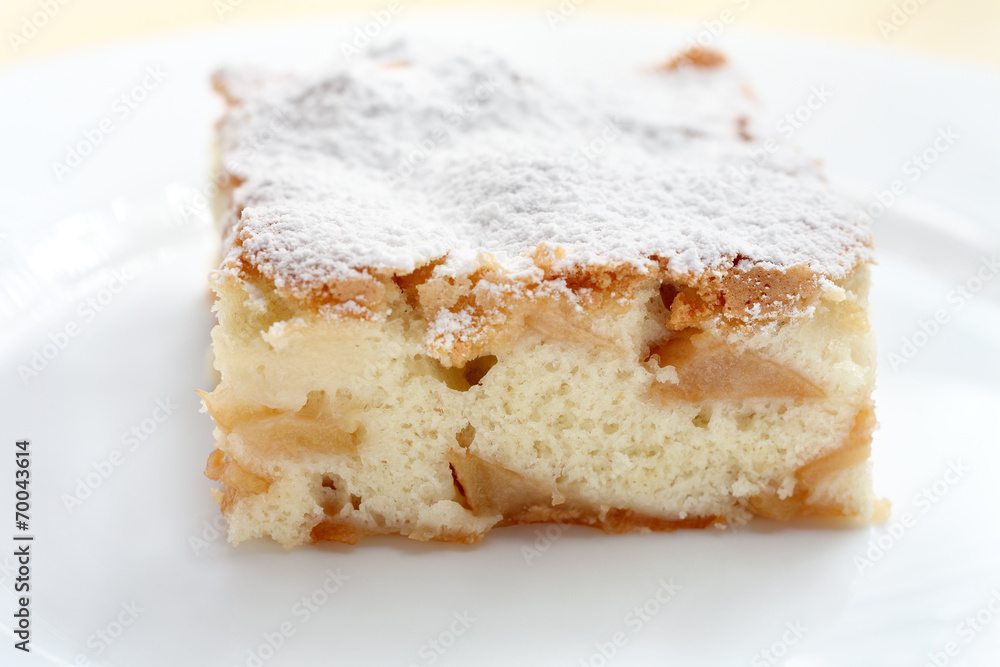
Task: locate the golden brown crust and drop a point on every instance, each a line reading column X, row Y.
column 744, row 293
column 734, row 294
column 364, row 288
column 496, row 309
column 613, row 522
column 696, row 56
column 219, row 86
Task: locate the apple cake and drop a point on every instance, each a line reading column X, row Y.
column 460, row 292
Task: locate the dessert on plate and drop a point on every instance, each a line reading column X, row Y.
column 458, row 293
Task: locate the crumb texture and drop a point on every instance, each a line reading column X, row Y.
column 336, row 429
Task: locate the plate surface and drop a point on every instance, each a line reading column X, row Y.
column 104, row 332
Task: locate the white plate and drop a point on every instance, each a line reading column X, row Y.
column 140, row 561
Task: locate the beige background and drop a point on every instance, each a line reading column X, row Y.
column 964, row 30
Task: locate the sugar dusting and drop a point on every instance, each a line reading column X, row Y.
column 409, row 156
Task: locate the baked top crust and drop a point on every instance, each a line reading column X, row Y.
column 482, row 171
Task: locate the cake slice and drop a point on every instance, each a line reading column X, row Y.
column 457, row 294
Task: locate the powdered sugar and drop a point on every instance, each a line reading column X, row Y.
column 449, row 328
column 407, row 157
